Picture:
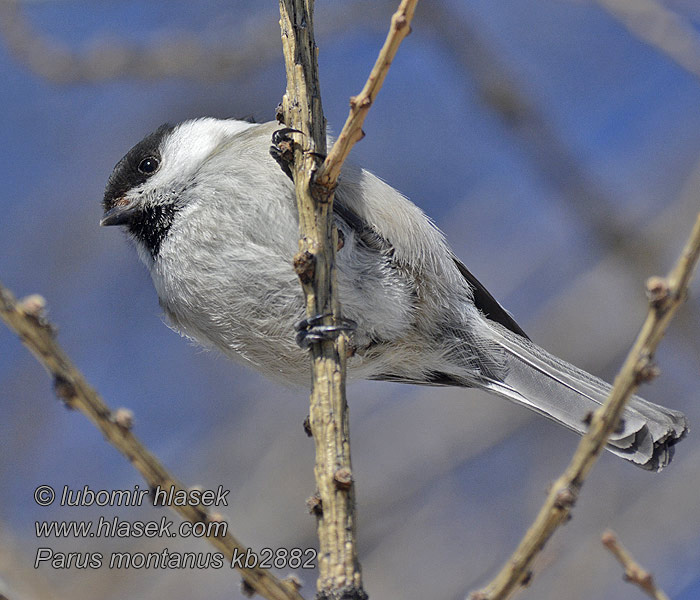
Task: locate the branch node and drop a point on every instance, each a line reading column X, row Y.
column 294, row 582
column 307, row 426
column 34, row 307
column 322, row 188
column 360, row 102
column 646, row 369
column 527, row 578
column 314, row 505
column 7, row 300
column 305, row 266
column 64, row 390
column 343, row 478
column 565, row 498
column 246, row 589
column 124, row 418
column 321, row 192
column 608, row 539
column 658, row 292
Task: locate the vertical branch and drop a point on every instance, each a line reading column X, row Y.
column 315, row 182
column 339, row 569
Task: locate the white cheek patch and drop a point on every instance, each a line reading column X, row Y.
column 182, row 152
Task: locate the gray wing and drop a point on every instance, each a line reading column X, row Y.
column 483, row 300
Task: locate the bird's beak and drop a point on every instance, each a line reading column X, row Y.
column 121, row 213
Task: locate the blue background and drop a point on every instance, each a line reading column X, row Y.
column 559, row 153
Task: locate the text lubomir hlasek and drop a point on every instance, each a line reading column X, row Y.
column 166, row 496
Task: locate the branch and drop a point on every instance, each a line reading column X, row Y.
column 27, row 319
column 352, row 133
column 334, row 502
column 665, row 297
column 634, row 573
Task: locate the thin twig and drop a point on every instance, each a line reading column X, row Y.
column 665, row 297
column 27, row 319
column 328, row 173
column 634, row 572
column 334, row 505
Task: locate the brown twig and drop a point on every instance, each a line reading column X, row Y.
column 328, row 173
column 339, row 569
column 27, row 319
column 665, row 297
column 634, row 573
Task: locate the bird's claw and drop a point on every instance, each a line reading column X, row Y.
column 282, row 135
column 282, row 149
column 312, row 331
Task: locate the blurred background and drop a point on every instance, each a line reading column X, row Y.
column 557, row 144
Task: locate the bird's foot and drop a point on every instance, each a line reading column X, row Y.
column 282, row 149
column 312, row 331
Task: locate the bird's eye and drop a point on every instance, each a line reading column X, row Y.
column 148, row 165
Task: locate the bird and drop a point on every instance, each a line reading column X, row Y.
column 214, row 219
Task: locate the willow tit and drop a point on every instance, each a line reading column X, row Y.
column 214, row 219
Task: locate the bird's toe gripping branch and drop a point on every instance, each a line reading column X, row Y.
column 312, row 330
column 282, row 148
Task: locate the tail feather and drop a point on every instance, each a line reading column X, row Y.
column 568, row 395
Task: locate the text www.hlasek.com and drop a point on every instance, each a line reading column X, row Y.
column 129, row 529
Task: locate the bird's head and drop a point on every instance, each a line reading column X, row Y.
column 145, row 190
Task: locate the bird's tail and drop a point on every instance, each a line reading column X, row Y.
column 568, row 396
